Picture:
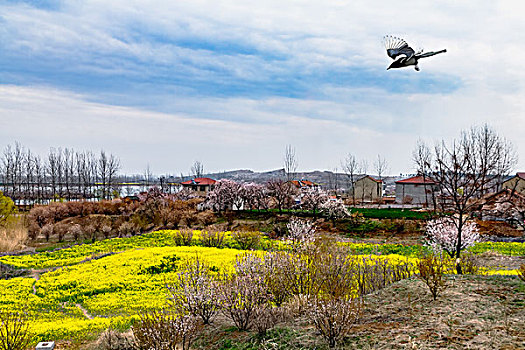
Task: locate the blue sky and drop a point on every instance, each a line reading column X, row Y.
column 232, row 83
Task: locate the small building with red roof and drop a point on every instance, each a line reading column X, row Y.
column 516, row 183
column 416, row 190
column 200, row 185
column 304, row 184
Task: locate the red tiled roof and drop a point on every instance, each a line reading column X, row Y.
column 416, row 180
column 521, row 175
column 199, row 181
column 303, row 183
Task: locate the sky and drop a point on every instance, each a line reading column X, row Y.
column 231, row 83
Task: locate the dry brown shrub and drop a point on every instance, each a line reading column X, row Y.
column 13, row 236
column 112, row 339
column 247, row 240
column 127, row 228
column 75, row 231
column 242, row 293
column 432, row 268
column 334, row 317
column 206, row 217
column 212, row 238
column 165, row 330
column 521, row 272
column 106, row 230
column 195, row 291
column 267, row 317
column 47, row 231
column 469, row 264
column 183, row 237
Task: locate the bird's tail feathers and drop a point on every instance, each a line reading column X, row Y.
column 392, row 42
column 432, row 53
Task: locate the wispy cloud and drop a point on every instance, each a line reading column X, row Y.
column 244, row 79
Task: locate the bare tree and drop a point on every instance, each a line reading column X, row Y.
column 108, row 167
column 351, row 168
column 381, row 166
column 290, row 162
column 422, row 158
column 464, row 169
column 197, row 169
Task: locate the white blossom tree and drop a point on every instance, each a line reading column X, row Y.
column 313, row 198
column 300, row 231
column 442, row 235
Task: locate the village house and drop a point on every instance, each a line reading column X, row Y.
column 368, row 189
column 200, row 185
column 516, row 183
column 416, row 190
column 301, row 184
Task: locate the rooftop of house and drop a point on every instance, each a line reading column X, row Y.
column 303, row 183
column 521, row 175
column 369, row 177
column 417, row 180
column 199, row 181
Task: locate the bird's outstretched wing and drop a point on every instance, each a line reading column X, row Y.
column 396, row 46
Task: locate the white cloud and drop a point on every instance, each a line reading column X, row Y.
column 485, row 53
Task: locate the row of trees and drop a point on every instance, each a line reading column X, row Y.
column 63, row 173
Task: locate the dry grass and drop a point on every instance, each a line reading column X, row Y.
column 13, row 236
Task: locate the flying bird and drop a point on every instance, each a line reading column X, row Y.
column 402, row 54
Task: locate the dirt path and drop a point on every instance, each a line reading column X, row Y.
column 36, row 275
column 84, row 311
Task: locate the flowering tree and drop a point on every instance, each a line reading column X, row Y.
column 300, row 231
column 195, row 292
column 313, row 198
column 255, row 196
column 282, row 192
column 442, row 235
column 227, row 194
column 335, row 209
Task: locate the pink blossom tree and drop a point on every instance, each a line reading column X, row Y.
column 313, row 198
column 255, row 196
column 300, row 231
column 442, row 235
column 227, row 194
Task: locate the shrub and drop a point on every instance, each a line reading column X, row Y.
column 75, row 231
column 300, row 231
column 14, row 332
column 432, row 268
column 244, row 292
column 13, row 236
column 469, row 264
column 247, row 240
column 106, row 231
column 7, row 208
column 212, row 238
column 334, row 317
column 195, row 292
column 165, row 330
column 127, row 228
column 112, row 339
column 521, row 272
column 90, row 231
column 47, row 231
column 266, row 317
column 183, row 237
